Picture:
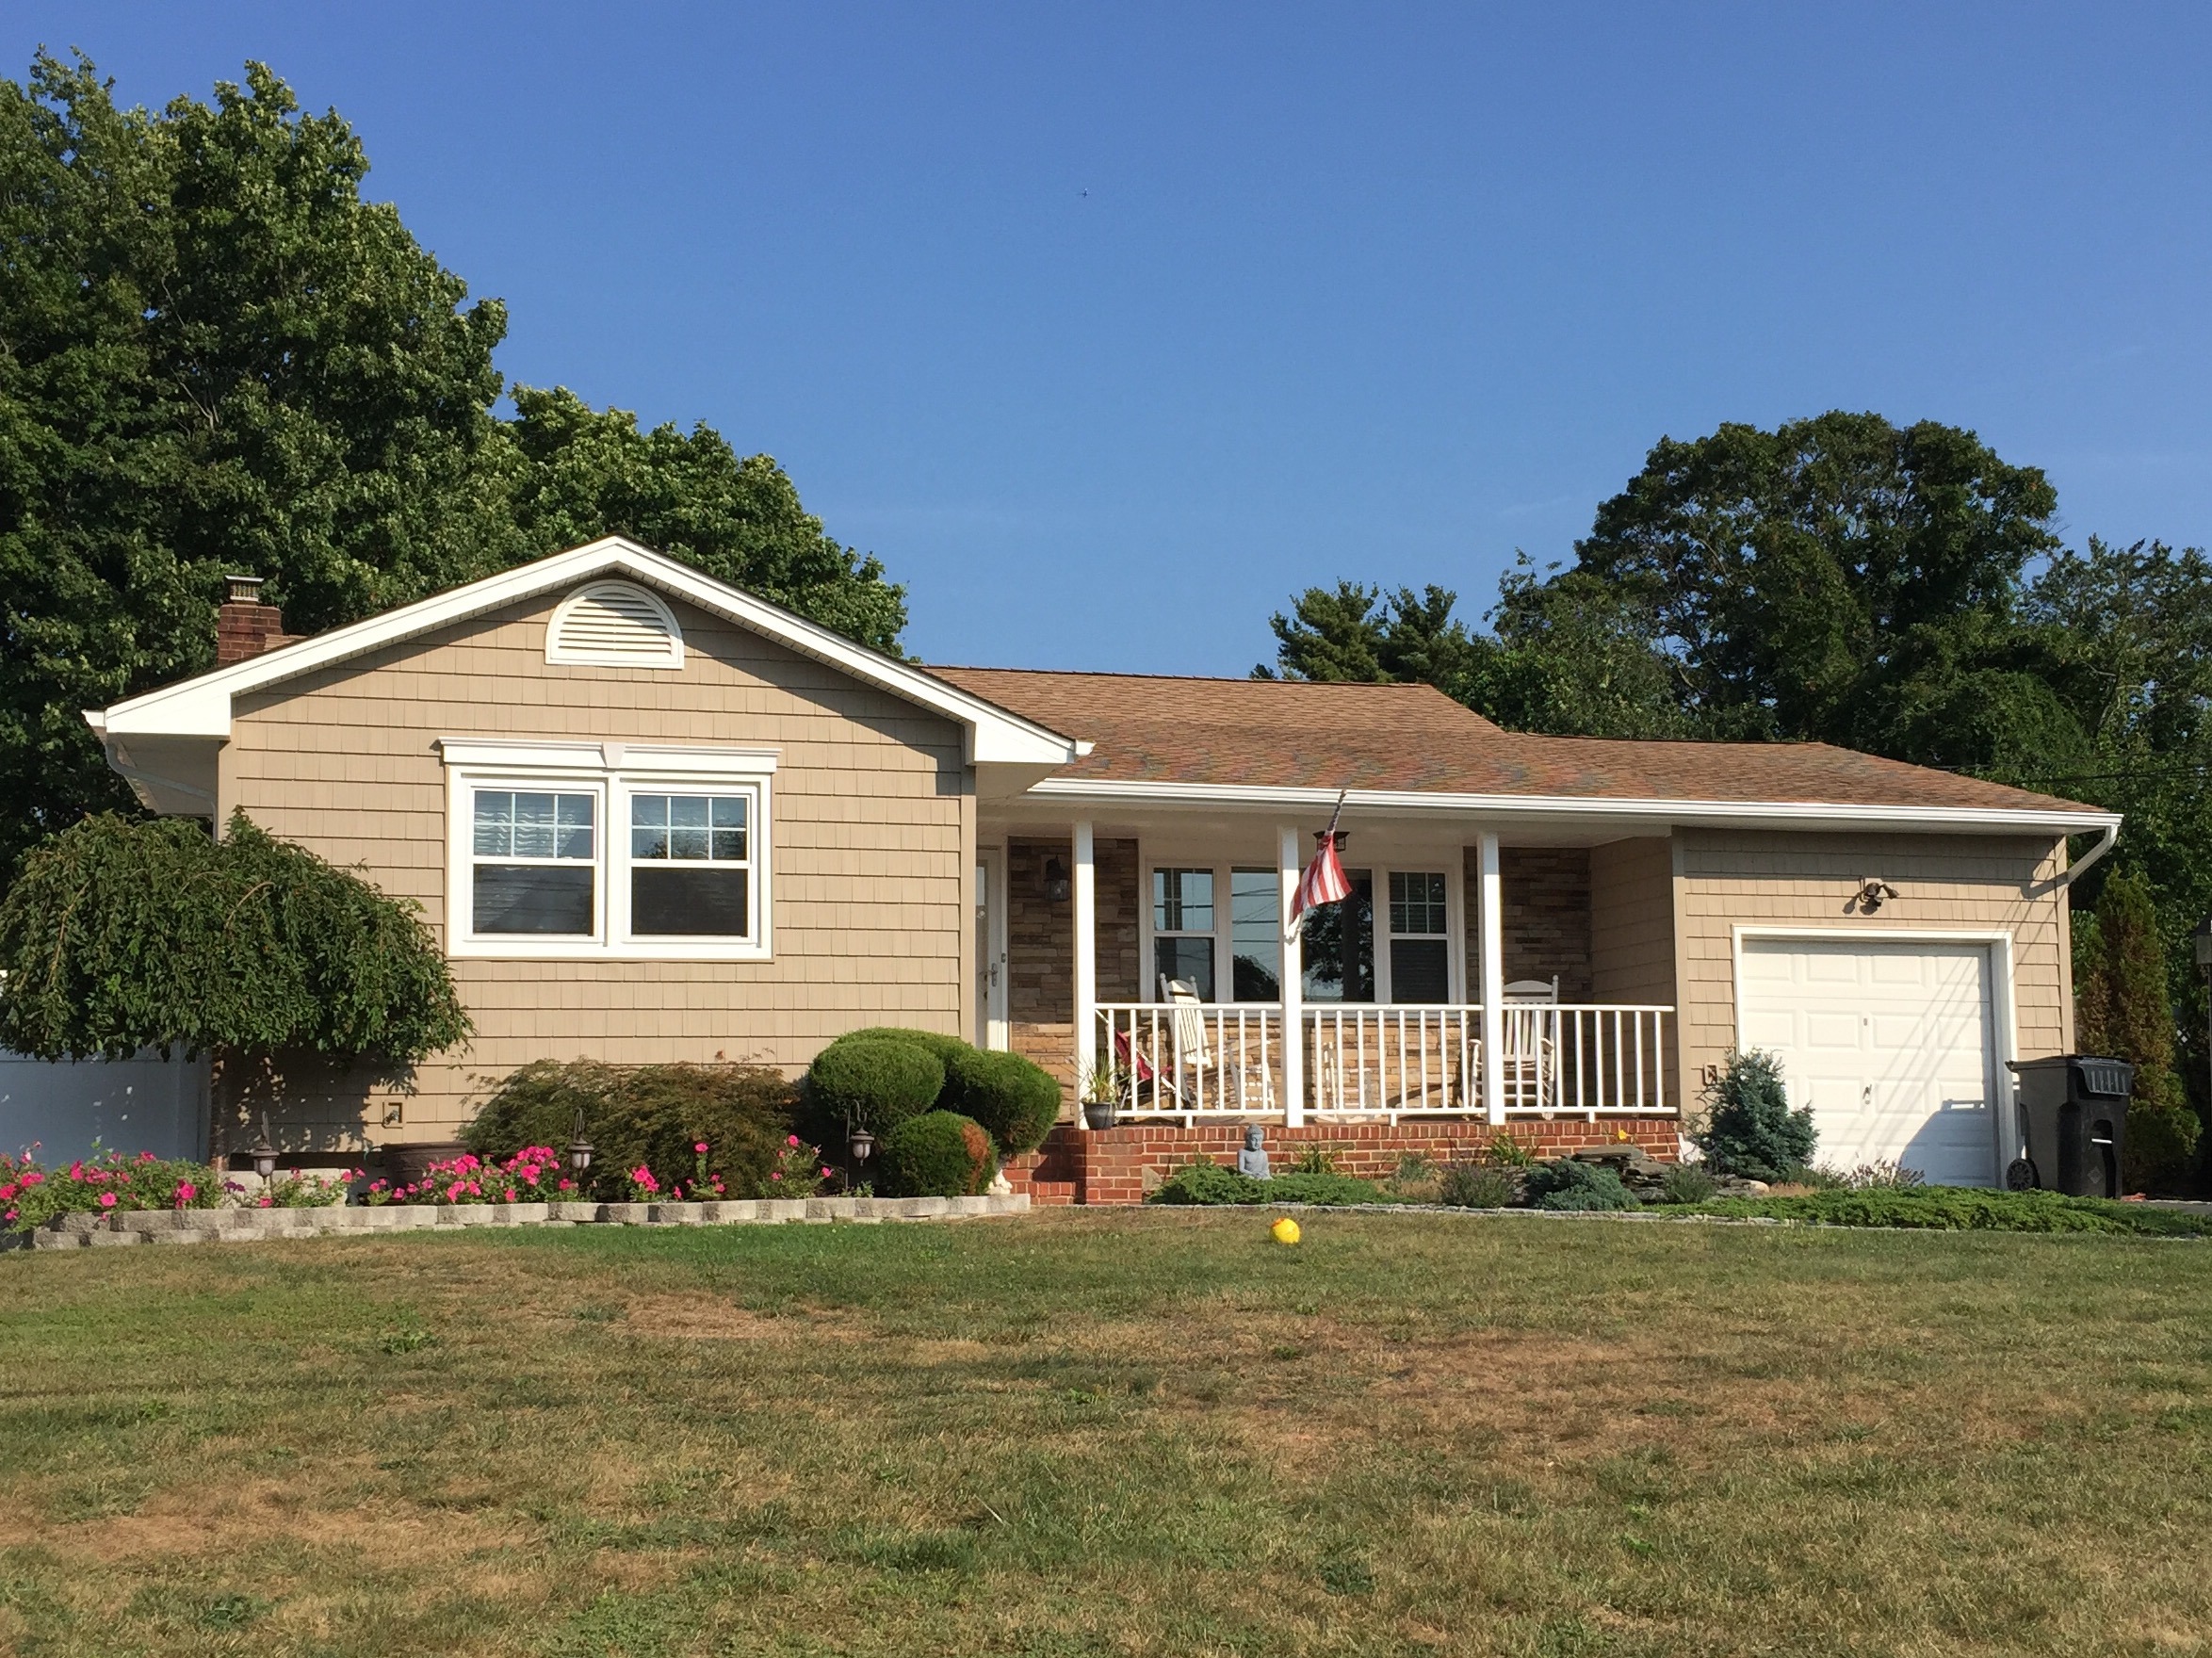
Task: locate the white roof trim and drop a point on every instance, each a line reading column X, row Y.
column 1111, row 793
column 201, row 706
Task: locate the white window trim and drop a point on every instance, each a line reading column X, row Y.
column 613, row 772
column 672, row 657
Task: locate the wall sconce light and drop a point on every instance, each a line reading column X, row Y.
column 1870, row 897
column 1056, row 885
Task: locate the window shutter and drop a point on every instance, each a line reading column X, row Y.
column 615, row 624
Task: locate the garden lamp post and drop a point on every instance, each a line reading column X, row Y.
column 859, row 1142
column 264, row 1154
column 579, row 1151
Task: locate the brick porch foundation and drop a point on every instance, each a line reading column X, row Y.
column 1120, row 1165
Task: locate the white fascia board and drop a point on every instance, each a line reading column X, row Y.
column 201, row 706
column 1809, row 815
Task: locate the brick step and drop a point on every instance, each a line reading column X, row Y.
column 1050, row 1192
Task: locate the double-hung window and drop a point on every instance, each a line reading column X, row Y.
column 1421, row 951
column 690, row 866
column 615, row 851
column 1182, row 928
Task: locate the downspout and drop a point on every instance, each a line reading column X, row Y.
column 2107, row 836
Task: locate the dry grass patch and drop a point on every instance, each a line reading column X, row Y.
column 1128, row 1434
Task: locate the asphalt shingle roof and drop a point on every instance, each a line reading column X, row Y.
column 1294, row 734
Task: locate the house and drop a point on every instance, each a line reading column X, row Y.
column 653, row 817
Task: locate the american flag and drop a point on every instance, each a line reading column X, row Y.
column 1324, row 880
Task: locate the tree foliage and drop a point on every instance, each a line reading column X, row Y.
column 217, row 357
column 2123, row 1002
column 1749, row 1128
column 124, row 935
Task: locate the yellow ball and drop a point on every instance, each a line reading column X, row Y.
column 1285, row 1230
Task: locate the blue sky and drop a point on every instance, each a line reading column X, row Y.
column 1109, row 328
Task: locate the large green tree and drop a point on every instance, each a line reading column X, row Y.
column 215, row 356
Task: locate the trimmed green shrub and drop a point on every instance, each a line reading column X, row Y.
column 945, row 1047
column 1478, row 1185
column 874, row 1082
column 1572, row 1184
column 652, row 1116
column 1685, row 1182
column 1963, row 1209
column 1015, row 1099
column 1211, row 1183
column 938, row 1154
column 1749, row 1128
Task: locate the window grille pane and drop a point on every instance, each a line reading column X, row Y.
column 693, row 828
column 574, row 820
column 533, row 899
column 495, row 823
column 1417, row 903
column 729, row 811
column 1182, row 900
column 533, row 825
column 729, row 846
column 695, row 901
column 1188, row 959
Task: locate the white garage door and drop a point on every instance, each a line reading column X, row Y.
column 1894, row 1045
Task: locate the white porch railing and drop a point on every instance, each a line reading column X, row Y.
column 1195, row 1059
column 1224, row 1059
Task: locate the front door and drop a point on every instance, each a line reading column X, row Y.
column 990, row 949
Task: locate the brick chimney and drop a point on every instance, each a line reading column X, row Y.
column 245, row 626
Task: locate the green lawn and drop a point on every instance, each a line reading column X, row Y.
column 1112, row 1433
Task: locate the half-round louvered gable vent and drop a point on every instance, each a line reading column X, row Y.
column 615, row 624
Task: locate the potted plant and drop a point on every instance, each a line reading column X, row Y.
column 1105, row 1085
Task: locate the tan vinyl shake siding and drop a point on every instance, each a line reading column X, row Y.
column 872, row 825
column 1731, row 880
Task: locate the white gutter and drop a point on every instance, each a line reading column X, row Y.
column 1109, row 794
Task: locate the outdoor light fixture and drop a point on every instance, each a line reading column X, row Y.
column 860, row 1145
column 579, row 1148
column 1057, row 887
column 264, row 1155
column 1870, row 897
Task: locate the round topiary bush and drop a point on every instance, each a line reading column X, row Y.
column 875, row 1084
column 1015, row 1098
column 947, row 1049
column 938, row 1154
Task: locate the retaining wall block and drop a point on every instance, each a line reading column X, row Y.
column 629, row 1215
column 579, row 1213
column 110, row 1240
column 783, row 1208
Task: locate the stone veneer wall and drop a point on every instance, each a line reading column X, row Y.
column 1040, row 947
column 1546, row 920
column 1120, row 1165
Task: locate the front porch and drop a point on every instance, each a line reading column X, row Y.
column 1154, row 962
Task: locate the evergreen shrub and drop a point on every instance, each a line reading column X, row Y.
column 1015, row 1098
column 938, row 1154
column 874, row 1082
column 1572, row 1184
column 1749, row 1128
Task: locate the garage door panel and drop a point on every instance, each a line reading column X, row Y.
column 1891, row 1043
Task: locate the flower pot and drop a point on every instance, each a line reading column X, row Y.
column 1098, row 1113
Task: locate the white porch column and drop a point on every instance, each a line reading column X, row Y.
column 1293, row 980
column 1493, row 985
column 1086, row 956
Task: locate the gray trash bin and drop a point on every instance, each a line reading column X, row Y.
column 2075, row 1108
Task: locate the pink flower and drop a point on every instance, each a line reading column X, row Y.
column 794, row 1140
column 186, row 1193
column 826, row 1173
column 775, row 1174
column 33, row 1179
column 107, row 1200
column 700, row 1146
column 8, row 1190
column 266, row 1203
column 145, row 1157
